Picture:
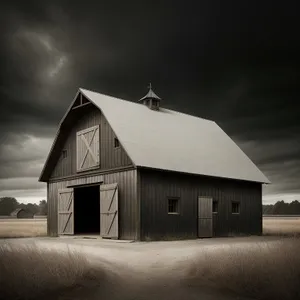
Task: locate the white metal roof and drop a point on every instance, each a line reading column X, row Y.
column 174, row 141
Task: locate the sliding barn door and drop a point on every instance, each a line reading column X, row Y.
column 65, row 208
column 109, row 225
column 88, row 148
column 205, row 219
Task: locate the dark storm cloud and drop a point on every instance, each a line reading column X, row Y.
column 235, row 62
column 279, row 160
column 22, row 156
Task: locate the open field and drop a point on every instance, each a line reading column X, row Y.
column 282, row 226
column 22, row 227
column 285, row 226
column 212, row 269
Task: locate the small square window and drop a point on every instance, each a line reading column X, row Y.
column 215, row 206
column 173, row 206
column 235, row 208
column 64, row 153
column 117, row 143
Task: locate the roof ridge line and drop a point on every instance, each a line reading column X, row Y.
column 164, row 108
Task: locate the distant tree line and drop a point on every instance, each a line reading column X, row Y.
column 9, row 204
column 282, row 208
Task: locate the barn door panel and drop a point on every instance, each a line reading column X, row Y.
column 65, row 211
column 205, row 220
column 109, row 222
column 88, row 148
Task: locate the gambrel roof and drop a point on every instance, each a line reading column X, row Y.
column 174, row 141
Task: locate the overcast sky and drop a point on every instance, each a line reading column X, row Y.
column 235, row 62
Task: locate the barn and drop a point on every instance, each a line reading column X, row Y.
column 138, row 171
column 21, row 213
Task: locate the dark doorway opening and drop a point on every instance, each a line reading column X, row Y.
column 87, row 210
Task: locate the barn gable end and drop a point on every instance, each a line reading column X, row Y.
column 81, row 117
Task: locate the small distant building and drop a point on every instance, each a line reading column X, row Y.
column 21, row 213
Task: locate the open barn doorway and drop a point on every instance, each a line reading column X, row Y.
column 87, row 210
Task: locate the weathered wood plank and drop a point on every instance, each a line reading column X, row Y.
column 85, row 180
column 128, row 200
column 109, row 210
column 156, row 186
column 109, row 157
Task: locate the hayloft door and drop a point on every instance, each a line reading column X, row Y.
column 66, row 211
column 205, row 220
column 88, row 148
column 109, row 222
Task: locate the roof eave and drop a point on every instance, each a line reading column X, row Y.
column 120, row 139
column 198, row 174
column 42, row 177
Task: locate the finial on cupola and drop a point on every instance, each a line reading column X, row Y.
column 151, row 99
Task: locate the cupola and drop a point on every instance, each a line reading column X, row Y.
column 151, row 100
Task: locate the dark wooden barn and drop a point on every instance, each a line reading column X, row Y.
column 21, row 213
column 137, row 171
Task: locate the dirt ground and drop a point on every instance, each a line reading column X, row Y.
column 141, row 255
column 149, row 270
column 143, row 265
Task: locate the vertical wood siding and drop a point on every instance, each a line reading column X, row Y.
column 110, row 157
column 157, row 186
column 128, row 202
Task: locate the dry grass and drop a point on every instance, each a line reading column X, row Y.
column 261, row 271
column 13, row 228
column 28, row 272
column 264, row 270
column 10, row 228
column 288, row 226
